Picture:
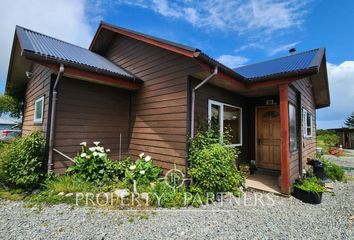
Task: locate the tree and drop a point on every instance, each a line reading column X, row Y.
column 349, row 121
column 9, row 105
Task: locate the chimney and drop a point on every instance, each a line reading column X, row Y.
column 292, row 51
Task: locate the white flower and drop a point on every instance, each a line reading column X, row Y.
column 95, row 154
column 101, row 149
column 142, row 172
column 83, row 155
column 92, row 149
column 101, row 155
column 108, row 150
column 96, row 143
column 83, row 144
column 147, row 158
column 141, row 155
column 132, row 167
column 88, row 156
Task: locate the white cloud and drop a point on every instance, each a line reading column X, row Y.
column 65, row 19
column 241, row 16
column 341, row 83
column 283, row 48
column 232, row 61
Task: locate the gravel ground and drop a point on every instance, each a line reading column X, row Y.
column 276, row 218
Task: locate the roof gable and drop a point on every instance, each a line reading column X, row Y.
column 35, row 45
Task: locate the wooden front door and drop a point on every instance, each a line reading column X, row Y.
column 268, row 137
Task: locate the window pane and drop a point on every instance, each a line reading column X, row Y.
column 39, row 105
column 232, row 118
column 215, row 117
column 292, row 126
column 309, row 119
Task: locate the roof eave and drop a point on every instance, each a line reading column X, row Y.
column 294, row 74
column 33, row 56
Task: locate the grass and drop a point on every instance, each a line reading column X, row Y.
column 69, row 184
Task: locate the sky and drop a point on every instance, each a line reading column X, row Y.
column 235, row 32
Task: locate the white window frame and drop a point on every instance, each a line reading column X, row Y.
column 305, row 112
column 35, row 119
column 221, row 123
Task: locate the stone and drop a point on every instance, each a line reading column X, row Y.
column 69, row 195
column 61, row 194
column 329, row 185
column 36, row 191
column 122, row 193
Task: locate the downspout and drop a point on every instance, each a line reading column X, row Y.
column 215, row 72
column 52, row 118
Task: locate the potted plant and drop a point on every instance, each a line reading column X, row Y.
column 309, row 190
column 245, row 169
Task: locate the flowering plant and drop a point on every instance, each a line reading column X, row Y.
column 93, row 165
column 143, row 171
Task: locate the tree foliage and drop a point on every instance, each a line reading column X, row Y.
column 9, row 105
column 349, row 121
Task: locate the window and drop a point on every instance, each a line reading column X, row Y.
column 292, row 127
column 38, row 110
column 224, row 116
column 307, row 123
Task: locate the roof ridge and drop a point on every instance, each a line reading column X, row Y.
column 56, row 39
column 296, row 54
column 181, row 45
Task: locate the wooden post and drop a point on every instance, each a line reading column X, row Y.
column 284, row 137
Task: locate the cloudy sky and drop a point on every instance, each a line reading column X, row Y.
column 235, row 32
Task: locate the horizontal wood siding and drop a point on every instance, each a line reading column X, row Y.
column 159, row 108
column 307, row 102
column 90, row 112
column 37, row 87
column 210, row 92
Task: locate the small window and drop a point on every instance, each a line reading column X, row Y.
column 224, row 116
column 38, row 110
column 292, row 127
column 307, row 123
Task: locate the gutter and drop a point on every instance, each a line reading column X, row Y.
column 52, row 118
column 215, row 72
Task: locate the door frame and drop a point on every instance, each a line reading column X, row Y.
column 256, row 131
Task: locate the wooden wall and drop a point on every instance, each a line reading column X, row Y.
column 294, row 154
column 90, row 112
column 159, row 108
column 308, row 102
column 38, row 86
column 210, row 92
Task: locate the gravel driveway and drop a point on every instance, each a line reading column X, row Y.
column 286, row 218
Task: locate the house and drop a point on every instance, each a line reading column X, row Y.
column 138, row 93
column 346, row 137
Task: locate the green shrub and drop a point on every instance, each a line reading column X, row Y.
column 143, row 171
column 212, row 164
column 22, row 161
column 311, row 185
column 68, row 184
column 92, row 164
column 326, row 140
column 168, row 197
column 333, row 171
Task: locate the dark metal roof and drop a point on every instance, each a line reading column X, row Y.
column 289, row 66
column 37, row 45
